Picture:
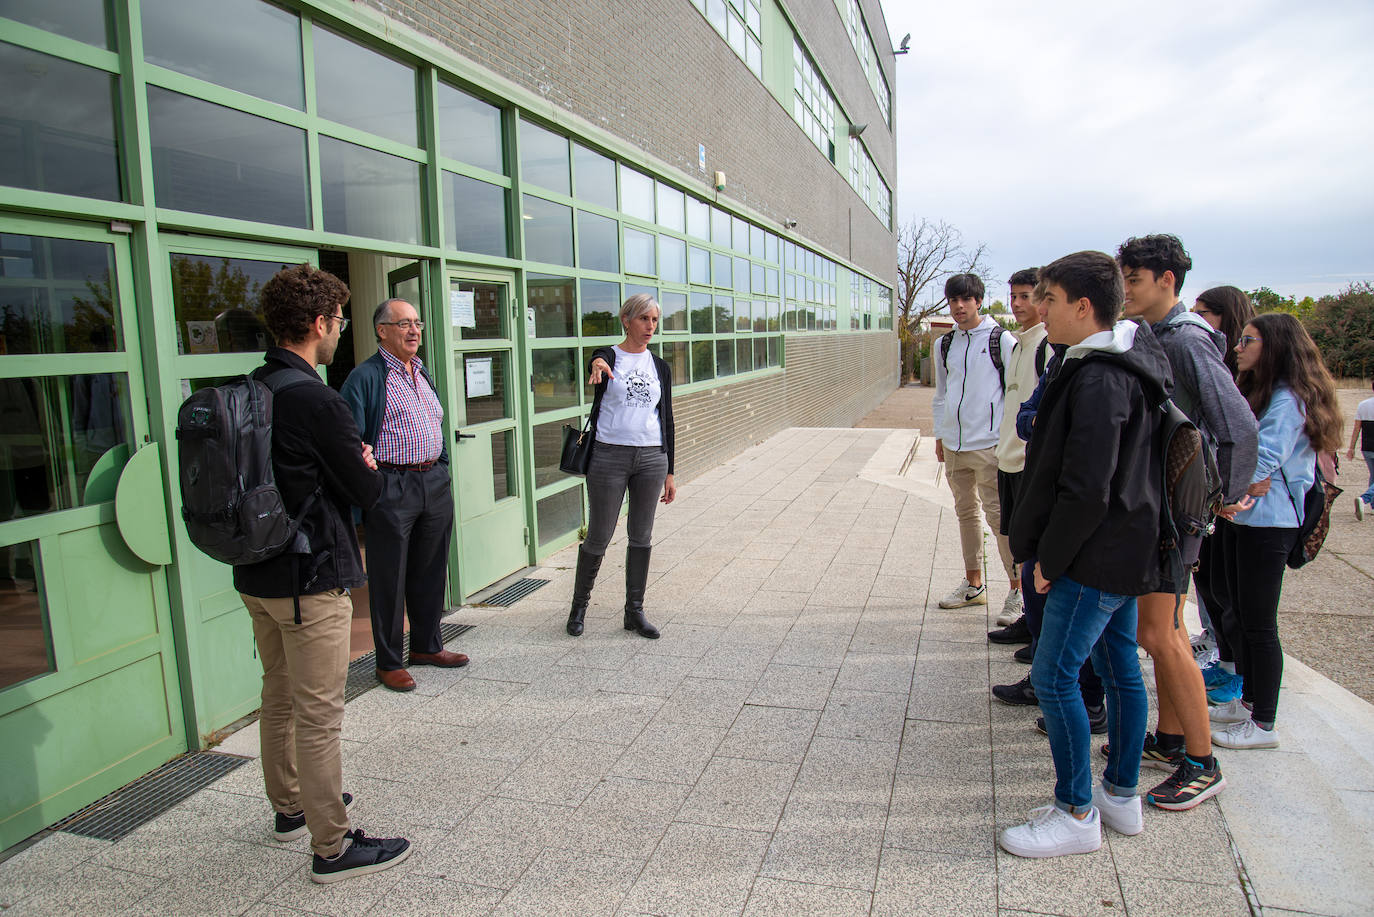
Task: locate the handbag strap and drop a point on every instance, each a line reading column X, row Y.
column 1297, row 514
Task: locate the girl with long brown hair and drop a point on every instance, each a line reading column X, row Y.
column 1294, row 398
column 1228, row 310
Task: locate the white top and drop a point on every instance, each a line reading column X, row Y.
column 1366, row 410
column 629, row 409
column 1021, row 381
column 968, row 393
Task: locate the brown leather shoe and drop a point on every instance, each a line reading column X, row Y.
column 444, row 659
column 396, row 679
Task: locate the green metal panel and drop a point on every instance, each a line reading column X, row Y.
column 141, row 509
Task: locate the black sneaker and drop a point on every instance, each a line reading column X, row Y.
column 1189, row 786
column 1020, row 694
column 1158, row 756
column 1024, row 654
column 290, row 827
column 1016, row 632
column 1097, row 723
column 360, row 856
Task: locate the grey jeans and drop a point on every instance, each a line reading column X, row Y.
column 614, row 469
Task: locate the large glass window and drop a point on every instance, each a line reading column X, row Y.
column 544, row 158
column 367, row 193
column 558, row 515
column 600, row 308
column 57, row 296
column 595, row 177
column 83, row 20
column 598, row 242
column 362, row 88
column 672, row 260
column 637, row 194
column 26, row 652
column 221, row 161
column 639, row 252
column 548, row 451
column 470, row 129
column 554, row 374
column 741, row 25
column 554, row 301
column 548, row 231
column 57, row 126
column 253, row 47
column 670, row 212
column 813, row 106
column 699, row 265
column 475, row 215
column 215, row 303
column 673, row 311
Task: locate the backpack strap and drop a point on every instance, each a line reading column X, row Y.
column 945, row 342
column 995, row 354
column 1042, row 356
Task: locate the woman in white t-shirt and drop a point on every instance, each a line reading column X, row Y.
column 632, row 417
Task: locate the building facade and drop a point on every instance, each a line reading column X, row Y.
column 515, row 169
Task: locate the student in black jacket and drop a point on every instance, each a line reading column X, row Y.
column 1090, row 515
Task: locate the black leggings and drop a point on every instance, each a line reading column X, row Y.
column 1246, row 586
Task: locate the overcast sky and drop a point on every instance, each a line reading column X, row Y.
column 1245, row 127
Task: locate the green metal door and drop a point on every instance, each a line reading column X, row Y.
column 89, row 695
column 487, row 405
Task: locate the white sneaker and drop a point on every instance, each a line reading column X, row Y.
column 1244, row 735
column 1052, row 832
column 1359, row 508
column 1011, row 609
column 965, row 595
column 1124, row 816
column 1233, row 711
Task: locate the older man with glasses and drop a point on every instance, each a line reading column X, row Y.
column 396, row 405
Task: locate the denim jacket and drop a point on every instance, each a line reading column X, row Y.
column 1284, row 453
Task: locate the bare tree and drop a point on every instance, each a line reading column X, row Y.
column 927, row 253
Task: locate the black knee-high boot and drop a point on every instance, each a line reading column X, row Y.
column 588, row 565
column 636, row 575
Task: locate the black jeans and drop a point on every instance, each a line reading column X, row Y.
column 1209, row 578
column 1252, row 563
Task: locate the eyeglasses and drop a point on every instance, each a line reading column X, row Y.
column 1246, row 340
column 343, row 322
column 406, row 324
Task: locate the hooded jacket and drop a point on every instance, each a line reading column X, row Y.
column 968, row 391
column 1090, row 496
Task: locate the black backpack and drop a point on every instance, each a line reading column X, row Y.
column 1190, row 495
column 994, row 352
column 229, row 497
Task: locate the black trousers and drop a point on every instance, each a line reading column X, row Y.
column 408, row 534
column 1251, row 569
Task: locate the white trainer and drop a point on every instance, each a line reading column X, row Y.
column 1011, row 609
column 1244, row 735
column 1233, row 711
column 1122, row 815
column 965, row 595
column 1359, row 508
column 1052, row 832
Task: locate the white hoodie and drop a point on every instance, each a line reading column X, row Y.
column 968, row 398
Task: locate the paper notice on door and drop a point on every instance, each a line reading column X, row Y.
column 462, row 306
column 478, row 376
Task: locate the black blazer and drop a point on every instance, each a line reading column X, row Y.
column 665, row 402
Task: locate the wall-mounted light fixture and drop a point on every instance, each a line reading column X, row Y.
column 790, row 224
column 906, row 44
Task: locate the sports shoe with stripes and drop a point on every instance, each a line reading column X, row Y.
column 1157, row 756
column 1189, row 786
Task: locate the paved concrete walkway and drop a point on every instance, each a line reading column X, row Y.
column 812, row 735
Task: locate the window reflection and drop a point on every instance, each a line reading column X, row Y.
column 544, row 158
column 637, row 194
column 548, row 231
column 470, row 129
column 475, row 215
column 548, row 450
column 559, row 515
column 215, row 301
column 674, row 311
column 83, row 20
column 367, row 193
column 600, row 308
column 57, row 296
column 597, row 244
column 490, row 366
column 555, row 378
column 595, row 177
column 25, row 649
column 555, row 305
column 365, row 89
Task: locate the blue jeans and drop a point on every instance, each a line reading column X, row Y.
column 1368, row 495
column 1080, row 621
column 1034, row 608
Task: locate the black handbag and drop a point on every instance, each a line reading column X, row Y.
column 577, row 449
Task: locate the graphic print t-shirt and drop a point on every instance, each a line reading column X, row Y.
column 629, row 409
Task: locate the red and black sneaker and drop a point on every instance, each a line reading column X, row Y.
column 1190, row 785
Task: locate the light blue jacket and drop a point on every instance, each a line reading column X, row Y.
column 1284, row 452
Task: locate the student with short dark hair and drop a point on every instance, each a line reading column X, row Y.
column 1154, row 268
column 1089, row 512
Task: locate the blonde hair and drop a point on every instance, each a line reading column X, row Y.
column 637, row 305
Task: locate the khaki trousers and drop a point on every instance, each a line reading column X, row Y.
column 972, row 477
column 304, row 668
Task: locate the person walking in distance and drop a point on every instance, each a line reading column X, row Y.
column 1362, row 432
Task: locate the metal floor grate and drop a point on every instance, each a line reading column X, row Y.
column 128, row 807
column 362, row 672
column 514, row 592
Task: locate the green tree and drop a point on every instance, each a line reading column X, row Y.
column 1343, row 328
column 1266, row 300
column 927, row 253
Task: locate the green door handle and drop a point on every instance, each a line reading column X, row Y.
column 141, row 508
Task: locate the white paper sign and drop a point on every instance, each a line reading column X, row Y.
column 462, row 306
column 478, row 376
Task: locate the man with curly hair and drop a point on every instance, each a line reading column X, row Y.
column 299, row 603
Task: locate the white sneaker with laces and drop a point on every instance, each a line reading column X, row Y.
column 1052, row 832
column 1233, row 711
column 1124, row 816
column 1359, row 508
column 1244, row 735
column 1011, row 609
column 965, row 595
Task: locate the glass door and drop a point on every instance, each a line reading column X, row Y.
column 487, row 404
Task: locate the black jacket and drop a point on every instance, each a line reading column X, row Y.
column 665, row 403
column 1089, row 502
column 315, row 444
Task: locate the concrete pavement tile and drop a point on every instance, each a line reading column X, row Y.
column 922, row 883
column 907, row 587
column 277, row 910
column 623, row 817
column 1167, row 898
column 228, row 880
column 705, row 702
column 562, row 882
column 828, row 843
column 844, row 593
column 650, row 674
column 45, row 865
column 561, row 771
column 669, row 752
column 828, row 619
column 739, row 793
column 87, row 889
column 812, row 649
column 947, row 814
column 780, row 734
column 422, row 896
column 796, row 577
column 521, row 662
column 937, row 749
column 698, row 870
column 495, row 844
column 805, row 687
column 1157, row 853
column 762, row 630
column 1084, row 885
column 949, row 699
column 943, row 625
column 358, row 894
column 933, row 649
column 780, row 898
column 513, row 733
column 734, row 662
column 969, row 671
column 611, row 718
column 763, row 548
column 601, row 649
column 411, row 755
column 467, row 703
column 847, row 771
column 565, row 689
column 898, row 635
column 870, row 715
column 690, row 635
column 385, row 808
column 887, row 672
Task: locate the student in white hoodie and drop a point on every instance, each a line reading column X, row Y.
column 969, row 384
